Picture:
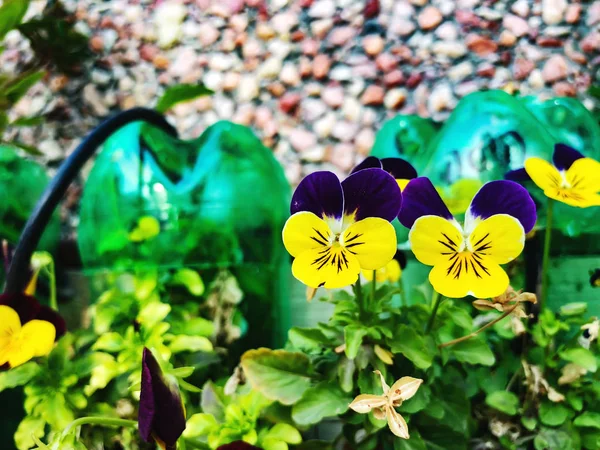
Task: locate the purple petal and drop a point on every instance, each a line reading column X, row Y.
column 370, row 162
column 371, row 193
column 399, row 168
column 504, row 197
column 161, row 412
column 400, row 256
column 564, row 156
column 518, row 175
column 420, row 198
column 238, row 445
column 319, row 193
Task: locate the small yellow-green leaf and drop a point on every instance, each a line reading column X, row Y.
column 200, row 425
column 286, row 433
column 183, row 343
column 503, row 401
column 191, row 280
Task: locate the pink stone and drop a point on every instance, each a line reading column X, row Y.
column 573, row 13
column 386, row 62
column 429, row 18
column 302, row 140
column 341, row 36
column 364, row 141
column 373, row 95
column 321, row 65
column 373, row 44
column 522, row 68
column 481, row 45
column 394, row 78
column 207, row 34
column 516, row 25
column 310, row 47
column 591, row 42
column 555, row 69
column 564, row 89
column 333, row 96
column 289, row 102
column 343, row 156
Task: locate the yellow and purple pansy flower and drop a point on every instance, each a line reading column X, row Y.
column 337, row 229
column 162, row 415
column 401, row 170
column 27, row 329
column 466, row 258
column 572, row 178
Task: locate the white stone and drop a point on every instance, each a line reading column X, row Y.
column 248, row 89
column 461, row 71
column 168, row 17
column 322, row 9
column 553, row 11
column 270, row 69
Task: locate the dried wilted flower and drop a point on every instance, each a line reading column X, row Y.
column 383, row 406
column 537, row 384
column 590, row 333
column 509, row 301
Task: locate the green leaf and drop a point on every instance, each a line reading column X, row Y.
column 273, row 444
column 549, row 439
column 277, row 374
column 575, row 401
column 179, row 94
column 582, row 357
column 419, row 402
column 326, row 399
column 18, row 376
column 414, row 443
column 29, row 429
column 191, row 280
column 27, row 121
column 588, row 419
column 529, row 422
column 286, row 433
column 200, row 425
column 183, row 343
column 353, row 336
column 109, row 342
column 473, row 351
column 503, row 401
column 419, row 350
column 308, row 340
column 153, row 313
column 19, row 86
column 553, row 414
column 11, row 15
column 591, row 439
column 573, row 309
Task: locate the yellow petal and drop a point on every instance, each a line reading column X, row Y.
column 10, row 324
column 466, row 274
column 402, row 183
column 584, row 175
column 573, row 197
column 405, row 388
column 397, row 423
column 331, row 267
column 543, row 174
column 365, row 402
column 39, row 335
column 305, row 231
column 372, row 241
column 500, row 237
column 393, row 271
column 432, row 238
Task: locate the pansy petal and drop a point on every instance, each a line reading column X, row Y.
column 49, row 315
column 366, row 402
column 502, row 197
column 584, row 175
column 332, row 267
column 564, row 156
column 468, row 274
column 518, row 175
column 543, row 174
column 371, row 193
column 26, row 306
column 432, row 239
column 399, row 168
column 304, row 231
column 372, row 241
column 39, row 335
column 319, row 193
column 384, row 385
column 10, row 325
column 370, row 162
column 405, row 388
column 419, row 198
column 161, row 414
column 397, row 423
column 500, row 237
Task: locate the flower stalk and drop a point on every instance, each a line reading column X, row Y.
column 436, row 299
column 546, row 256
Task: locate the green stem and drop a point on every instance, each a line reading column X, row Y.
column 103, row 421
column 359, row 297
column 373, row 286
column 436, row 299
column 52, row 280
column 546, row 257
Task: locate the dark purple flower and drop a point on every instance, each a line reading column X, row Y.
column 162, row 416
column 401, row 170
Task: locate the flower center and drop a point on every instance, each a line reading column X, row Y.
column 466, row 256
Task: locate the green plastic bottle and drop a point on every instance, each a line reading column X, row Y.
column 218, row 201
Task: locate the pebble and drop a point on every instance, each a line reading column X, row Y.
column 320, row 66
column 394, row 78
column 344, row 130
column 520, row 8
column 429, row 18
column 341, row 73
column 461, row 71
column 481, row 45
column 248, row 88
column 93, row 99
column 168, row 17
column 522, row 68
column 516, row 25
column 536, row 79
column 441, row 98
column 207, row 34
column 322, row 9
column 289, row 102
column 290, row 75
column 453, row 49
column 302, row 139
column 341, row 36
column 373, row 44
column 401, row 27
column 395, row 98
column 333, row 96
column 270, row 69
column 364, row 141
column 553, row 11
column 343, row 156
column 324, row 126
column 593, row 14
column 564, row 89
column 373, row 95
column 573, row 13
column 555, row 69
